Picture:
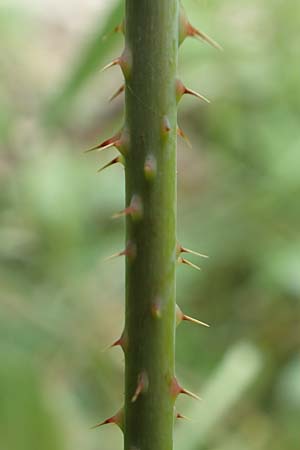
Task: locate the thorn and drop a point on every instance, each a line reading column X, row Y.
column 182, row 134
column 181, row 90
column 196, row 94
column 121, row 342
column 119, row 28
column 180, row 316
column 176, row 390
column 188, row 263
column 180, row 416
column 193, row 32
column 117, row 93
column 135, row 209
column 198, row 322
column 117, row 419
column 130, row 252
column 150, row 167
column 118, row 159
column 115, row 62
column 114, row 141
column 142, row 386
column 192, row 252
column 190, row 394
column 124, row 61
column 187, row 30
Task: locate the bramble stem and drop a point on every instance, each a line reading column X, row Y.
column 151, row 29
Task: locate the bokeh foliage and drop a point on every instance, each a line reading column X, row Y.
column 61, row 304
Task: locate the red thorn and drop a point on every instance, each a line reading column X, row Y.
column 180, row 416
column 135, row 209
column 142, row 386
column 188, row 263
column 176, row 390
column 121, row 342
column 124, row 61
column 117, row 93
column 181, row 90
column 114, row 141
column 193, row 32
column 186, row 29
column 182, row 134
column 130, row 252
column 114, row 62
column 117, row 419
column 118, row 159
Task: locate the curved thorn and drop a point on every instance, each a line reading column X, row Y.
column 204, row 37
column 196, row 94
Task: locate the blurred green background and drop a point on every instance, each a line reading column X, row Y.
column 238, row 188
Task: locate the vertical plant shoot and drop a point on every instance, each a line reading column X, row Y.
column 153, row 30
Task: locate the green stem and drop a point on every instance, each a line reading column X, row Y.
column 151, row 122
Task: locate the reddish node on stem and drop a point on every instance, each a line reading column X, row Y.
column 188, row 263
column 166, row 126
column 180, row 316
column 150, row 167
column 130, row 252
column 117, row 93
column 142, row 386
column 117, row 419
column 118, row 159
column 182, row 134
column 135, row 209
column 176, row 390
column 181, row 90
column 156, row 309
